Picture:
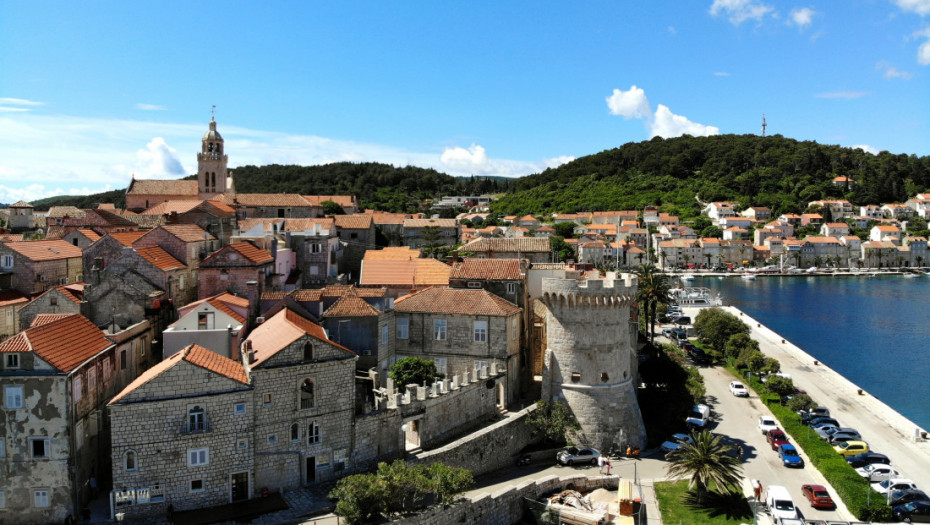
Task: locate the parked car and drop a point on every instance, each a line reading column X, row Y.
column 808, row 415
column 676, row 441
column 679, row 333
column 818, row 496
column 574, row 456
column 767, row 423
column 738, row 389
column 821, row 421
column 667, row 333
column 888, row 485
column 900, row 497
column 878, row 472
column 912, row 511
column 789, row 456
column 840, row 436
column 826, row 431
column 683, row 320
column 851, row 448
column 776, row 438
column 867, row 458
column 699, row 416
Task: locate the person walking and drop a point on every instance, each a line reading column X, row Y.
column 600, row 463
column 608, row 466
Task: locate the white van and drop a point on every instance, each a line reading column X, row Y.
column 780, row 504
column 698, row 416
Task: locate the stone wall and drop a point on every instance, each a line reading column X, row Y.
column 507, row 506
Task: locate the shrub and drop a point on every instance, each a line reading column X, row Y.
column 800, row 402
column 414, row 370
column 717, row 326
column 552, row 420
column 780, row 385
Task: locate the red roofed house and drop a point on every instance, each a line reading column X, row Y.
column 461, row 330
column 188, row 243
column 354, row 323
column 232, row 267
column 31, row 267
column 60, row 299
column 56, row 377
column 215, row 323
column 10, row 302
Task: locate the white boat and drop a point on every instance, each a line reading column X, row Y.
column 910, row 275
column 687, row 277
column 812, row 269
column 748, row 276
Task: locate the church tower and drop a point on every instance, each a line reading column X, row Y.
column 212, row 176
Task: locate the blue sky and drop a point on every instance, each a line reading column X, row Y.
column 92, row 93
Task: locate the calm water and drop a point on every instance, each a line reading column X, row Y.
column 873, row 331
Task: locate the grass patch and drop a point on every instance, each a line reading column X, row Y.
column 677, row 504
column 852, row 488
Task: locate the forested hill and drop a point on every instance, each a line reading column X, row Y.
column 783, row 174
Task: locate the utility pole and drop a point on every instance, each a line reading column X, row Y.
column 763, row 124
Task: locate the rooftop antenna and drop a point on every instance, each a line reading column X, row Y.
column 763, row 124
column 213, row 115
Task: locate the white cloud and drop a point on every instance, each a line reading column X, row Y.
column 721, row 74
column 923, row 51
column 866, row 148
column 150, row 107
column 738, row 11
column 802, row 17
column 555, row 162
column 15, row 105
column 629, row 104
column 158, row 160
column 841, row 94
column 667, row 124
column 889, row 71
column 8, row 109
column 921, row 7
column 474, row 159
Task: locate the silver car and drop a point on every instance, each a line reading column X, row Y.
column 574, row 456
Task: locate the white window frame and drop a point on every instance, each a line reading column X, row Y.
column 439, row 329
column 198, row 457
column 384, row 335
column 12, row 359
column 441, row 365
column 480, row 329
column 6, row 261
column 314, row 433
column 403, row 327
column 13, row 397
column 78, row 386
column 41, row 498
column 46, row 444
column 511, row 288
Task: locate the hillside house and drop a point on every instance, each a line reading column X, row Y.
column 31, row 267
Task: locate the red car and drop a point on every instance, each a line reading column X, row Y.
column 777, row 438
column 818, row 496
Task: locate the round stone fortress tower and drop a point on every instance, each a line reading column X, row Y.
column 590, row 362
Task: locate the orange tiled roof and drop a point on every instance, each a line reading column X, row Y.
column 351, row 305
column 252, row 253
column 46, row 250
column 11, row 237
column 164, row 187
column 172, row 206
column 342, row 200
column 281, row 330
column 91, row 235
column 11, row 297
column 188, row 232
column 273, row 200
column 21, row 204
column 520, row 244
column 67, row 291
column 821, row 240
column 423, row 223
column 127, row 238
column 64, row 341
column 392, row 253
column 195, row 355
column 416, row 272
column 307, row 295
column 160, row 258
column 487, row 269
column 299, row 225
column 266, row 224
column 66, row 211
column 353, row 222
column 147, row 222
column 455, row 301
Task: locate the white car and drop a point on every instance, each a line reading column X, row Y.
column 767, row 423
column 883, row 487
column 738, row 389
column 877, row 472
column 676, row 441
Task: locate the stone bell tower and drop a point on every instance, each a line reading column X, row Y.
column 590, row 364
column 212, row 176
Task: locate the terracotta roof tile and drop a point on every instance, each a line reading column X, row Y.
column 91, row 235
column 164, row 187
column 423, row 223
column 195, row 355
column 416, row 272
column 299, row 225
column 64, row 341
column 273, row 296
column 172, row 206
column 127, row 238
column 342, row 200
column 272, row 200
column 487, row 269
column 305, row 295
column 521, row 244
column 351, row 305
column 281, row 330
column 392, row 253
column 21, row 204
column 353, row 222
column 252, row 253
column 147, row 222
column 11, row 297
column 455, row 301
column 45, row 250
column 188, row 232
column 160, row 258
column 66, row 211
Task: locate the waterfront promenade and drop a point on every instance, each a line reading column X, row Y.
column 882, row 427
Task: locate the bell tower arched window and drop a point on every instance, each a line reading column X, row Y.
column 306, row 394
column 130, row 460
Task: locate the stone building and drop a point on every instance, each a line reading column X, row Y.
column 216, row 323
column 20, row 218
column 31, row 267
column 535, row 249
column 461, row 330
column 232, row 267
column 402, row 276
column 272, row 206
column 187, row 243
column 590, row 359
column 81, row 237
column 60, row 299
column 56, row 377
column 431, row 233
column 354, row 323
column 11, row 302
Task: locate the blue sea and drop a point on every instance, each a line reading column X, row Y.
column 874, row 331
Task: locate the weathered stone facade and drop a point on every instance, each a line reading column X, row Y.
column 590, row 358
column 33, row 274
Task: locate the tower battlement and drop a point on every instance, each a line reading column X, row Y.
column 615, row 290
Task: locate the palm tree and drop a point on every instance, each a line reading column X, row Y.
column 653, row 290
column 706, row 463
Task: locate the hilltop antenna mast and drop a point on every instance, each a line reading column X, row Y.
column 763, row 124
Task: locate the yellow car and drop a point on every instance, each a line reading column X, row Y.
column 851, row 448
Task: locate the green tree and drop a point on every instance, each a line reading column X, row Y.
column 737, row 343
column 706, row 464
column 553, row 420
column 780, row 385
column 432, row 241
column 332, row 208
column 413, row 371
column 448, row 482
column 562, row 249
column 652, row 290
column 360, row 498
column 712, row 231
column 565, row 229
column 717, row 326
column 801, row 402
